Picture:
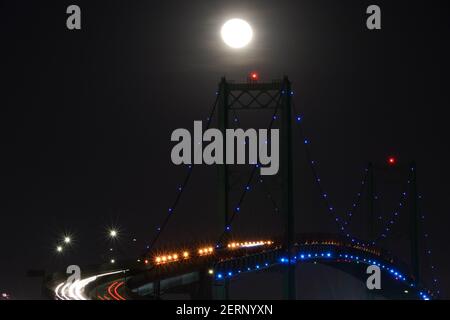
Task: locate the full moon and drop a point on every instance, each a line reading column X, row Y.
column 236, row 33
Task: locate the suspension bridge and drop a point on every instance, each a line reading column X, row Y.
column 205, row 272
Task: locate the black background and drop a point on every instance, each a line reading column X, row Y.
column 86, row 118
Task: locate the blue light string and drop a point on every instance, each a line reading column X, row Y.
column 387, row 228
column 310, row 255
column 181, row 187
column 341, row 223
column 426, row 238
column 358, row 197
column 269, row 195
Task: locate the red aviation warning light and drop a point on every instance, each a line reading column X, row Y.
column 253, row 77
column 392, row 161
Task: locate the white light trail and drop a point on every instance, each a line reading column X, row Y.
column 75, row 290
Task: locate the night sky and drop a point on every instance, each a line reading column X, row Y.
column 86, row 118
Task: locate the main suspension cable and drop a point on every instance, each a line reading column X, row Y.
column 181, row 188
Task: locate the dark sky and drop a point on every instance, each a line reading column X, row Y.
column 86, row 118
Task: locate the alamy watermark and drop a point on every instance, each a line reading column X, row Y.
column 373, row 22
column 374, row 280
column 73, row 21
column 237, row 142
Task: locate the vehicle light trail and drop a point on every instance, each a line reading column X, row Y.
column 57, row 290
column 251, row 244
column 203, row 251
column 110, row 290
column 75, row 290
column 113, row 290
column 116, row 290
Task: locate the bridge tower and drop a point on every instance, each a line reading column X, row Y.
column 257, row 96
